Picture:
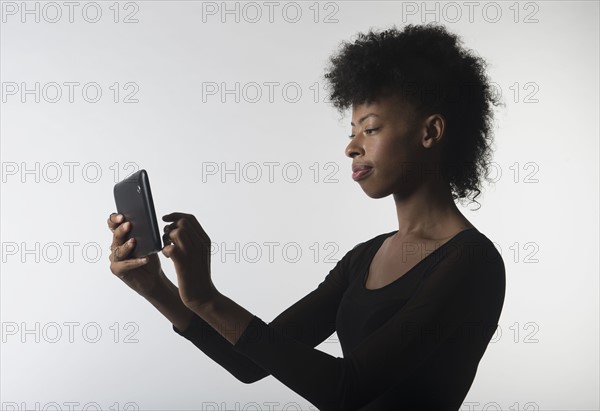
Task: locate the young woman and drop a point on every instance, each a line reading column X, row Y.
column 414, row 308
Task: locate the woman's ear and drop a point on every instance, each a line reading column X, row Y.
column 433, row 130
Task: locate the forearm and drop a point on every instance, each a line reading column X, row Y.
column 225, row 316
column 165, row 298
column 215, row 345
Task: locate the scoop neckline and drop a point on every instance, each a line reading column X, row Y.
column 412, row 269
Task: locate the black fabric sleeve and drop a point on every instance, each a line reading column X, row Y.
column 464, row 287
column 308, row 322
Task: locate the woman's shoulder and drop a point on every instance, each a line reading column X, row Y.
column 473, row 254
column 479, row 245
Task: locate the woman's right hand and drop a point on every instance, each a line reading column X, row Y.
column 144, row 275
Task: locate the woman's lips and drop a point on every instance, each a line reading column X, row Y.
column 361, row 173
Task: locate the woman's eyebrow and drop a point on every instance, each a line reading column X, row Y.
column 364, row 117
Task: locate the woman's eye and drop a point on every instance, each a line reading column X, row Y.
column 367, row 131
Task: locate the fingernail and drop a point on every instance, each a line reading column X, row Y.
column 130, row 240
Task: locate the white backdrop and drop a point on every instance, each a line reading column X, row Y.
column 223, row 104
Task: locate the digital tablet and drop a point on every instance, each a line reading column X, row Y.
column 134, row 201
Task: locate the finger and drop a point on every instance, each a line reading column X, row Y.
column 119, row 234
column 182, row 224
column 114, row 254
column 170, row 227
column 114, row 220
column 179, row 238
column 171, row 251
column 184, row 219
column 121, row 267
column 121, row 252
column 195, row 231
column 166, row 239
column 174, row 216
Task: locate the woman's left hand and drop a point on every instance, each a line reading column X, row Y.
column 188, row 245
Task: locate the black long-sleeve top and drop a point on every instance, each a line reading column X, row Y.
column 412, row 344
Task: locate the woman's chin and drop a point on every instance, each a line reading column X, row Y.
column 375, row 194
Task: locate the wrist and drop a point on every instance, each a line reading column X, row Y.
column 158, row 289
column 165, row 297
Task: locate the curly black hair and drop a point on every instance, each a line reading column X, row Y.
column 427, row 66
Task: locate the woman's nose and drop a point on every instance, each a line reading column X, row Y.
column 354, row 148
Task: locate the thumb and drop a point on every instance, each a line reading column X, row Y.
column 171, row 251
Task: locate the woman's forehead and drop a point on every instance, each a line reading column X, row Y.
column 382, row 105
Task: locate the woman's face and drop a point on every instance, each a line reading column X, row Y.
column 389, row 137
